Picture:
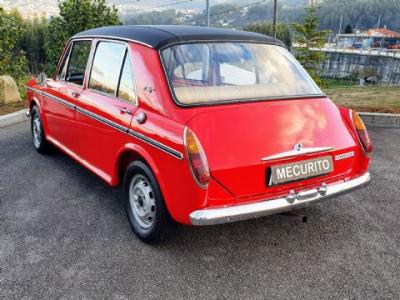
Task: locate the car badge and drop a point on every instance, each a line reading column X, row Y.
column 297, row 147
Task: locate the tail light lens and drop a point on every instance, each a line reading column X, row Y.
column 197, row 158
column 362, row 132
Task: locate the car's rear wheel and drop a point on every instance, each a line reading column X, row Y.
column 39, row 141
column 145, row 207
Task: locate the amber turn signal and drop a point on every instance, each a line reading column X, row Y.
column 197, row 158
column 362, row 132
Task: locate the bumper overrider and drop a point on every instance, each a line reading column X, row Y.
column 294, row 200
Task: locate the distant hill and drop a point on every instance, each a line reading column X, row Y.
column 29, row 8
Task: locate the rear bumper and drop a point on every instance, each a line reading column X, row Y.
column 269, row 207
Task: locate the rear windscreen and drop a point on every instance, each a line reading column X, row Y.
column 223, row 72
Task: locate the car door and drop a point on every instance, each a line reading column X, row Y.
column 104, row 110
column 62, row 92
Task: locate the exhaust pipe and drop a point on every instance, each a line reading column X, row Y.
column 296, row 216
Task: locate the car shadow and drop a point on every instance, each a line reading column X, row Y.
column 325, row 222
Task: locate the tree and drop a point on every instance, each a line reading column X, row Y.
column 32, row 43
column 75, row 16
column 361, row 14
column 166, row 17
column 12, row 59
column 348, row 29
column 282, row 31
column 308, row 40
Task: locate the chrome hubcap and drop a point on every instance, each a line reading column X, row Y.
column 37, row 131
column 142, row 201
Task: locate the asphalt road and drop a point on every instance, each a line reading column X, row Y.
column 64, row 234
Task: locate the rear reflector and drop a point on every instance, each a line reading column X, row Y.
column 362, row 132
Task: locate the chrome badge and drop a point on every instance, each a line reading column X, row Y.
column 297, row 147
column 344, row 155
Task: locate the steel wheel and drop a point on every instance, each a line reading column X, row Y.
column 142, row 201
column 37, row 130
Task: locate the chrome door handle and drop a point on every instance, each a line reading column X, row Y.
column 124, row 110
column 73, row 93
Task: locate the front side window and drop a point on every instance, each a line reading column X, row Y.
column 77, row 62
column 106, row 67
column 64, row 65
column 222, row 72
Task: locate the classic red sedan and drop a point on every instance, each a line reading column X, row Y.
column 199, row 125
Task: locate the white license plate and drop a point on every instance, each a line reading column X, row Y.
column 300, row 170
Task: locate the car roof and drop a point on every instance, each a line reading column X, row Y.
column 161, row 36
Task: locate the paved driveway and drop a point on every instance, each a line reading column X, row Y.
column 63, row 234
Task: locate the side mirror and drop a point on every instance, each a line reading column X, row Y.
column 41, row 79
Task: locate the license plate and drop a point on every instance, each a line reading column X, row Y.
column 300, row 170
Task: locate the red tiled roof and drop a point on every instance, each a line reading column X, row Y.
column 385, row 32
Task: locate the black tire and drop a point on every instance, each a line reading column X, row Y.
column 39, row 141
column 148, row 224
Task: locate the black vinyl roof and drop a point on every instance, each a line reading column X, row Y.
column 159, row 36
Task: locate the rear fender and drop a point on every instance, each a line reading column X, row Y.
column 363, row 157
column 345, row 113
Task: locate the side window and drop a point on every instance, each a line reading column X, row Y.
column 106, row 67
column 78, row 61
column 126, row 89
column 63, row 68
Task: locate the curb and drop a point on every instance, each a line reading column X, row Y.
column 381, row 119
column 13, row 118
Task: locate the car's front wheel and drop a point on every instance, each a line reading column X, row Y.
column 145, row 207
column 39, row 141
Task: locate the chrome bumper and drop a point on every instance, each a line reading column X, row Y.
column 269, row 207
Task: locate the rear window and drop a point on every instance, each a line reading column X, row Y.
column 224, row 72
column 106, row 68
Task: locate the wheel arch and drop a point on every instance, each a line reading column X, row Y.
column 127, row 154
column 36, row 101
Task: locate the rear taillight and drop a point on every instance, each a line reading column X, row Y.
column 197, row 158
column 362, row 132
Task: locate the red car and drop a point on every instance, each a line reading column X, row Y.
column 199, row 125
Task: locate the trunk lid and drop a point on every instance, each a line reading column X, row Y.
column 236, row 137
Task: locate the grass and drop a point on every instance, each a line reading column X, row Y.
column 367, row 98
column 11, row 107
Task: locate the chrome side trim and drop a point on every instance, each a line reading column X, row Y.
column 155, row 144
column 114, row 125
column 33, row 90
column 296, row 152
column 264, row 208
column 101, row 119
column 106, row 37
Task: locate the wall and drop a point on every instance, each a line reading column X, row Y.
column 341, row 64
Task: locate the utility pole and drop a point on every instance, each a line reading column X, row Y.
column 379, row 22
column 208, row 12
column 340, row 25
column 274, row 18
